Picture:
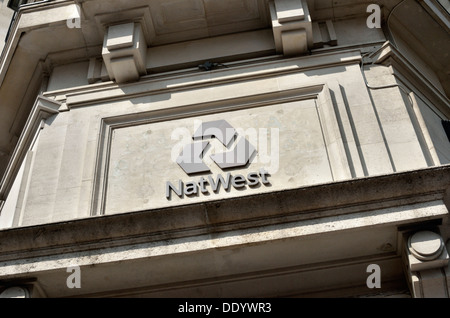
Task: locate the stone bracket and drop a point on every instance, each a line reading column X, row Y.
column 125, row 52
column 292, row 26
column 15, row 292
column 427, row 259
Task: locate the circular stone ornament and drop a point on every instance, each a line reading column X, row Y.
column 426, row 245
column 15, row 292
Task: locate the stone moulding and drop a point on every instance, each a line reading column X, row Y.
column 141, row 15
column 90, row 95
column 402, row 199
column 43, row 108
column 333, row 139
column 388, row 55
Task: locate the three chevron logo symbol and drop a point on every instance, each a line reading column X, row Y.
column 239, row 152
column 191, row 157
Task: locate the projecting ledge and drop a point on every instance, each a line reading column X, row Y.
column 390, row 200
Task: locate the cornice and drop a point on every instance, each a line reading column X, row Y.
column 151, row 85
column 358, row 197
column 389, row 55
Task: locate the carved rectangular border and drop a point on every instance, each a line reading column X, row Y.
column 319, row 92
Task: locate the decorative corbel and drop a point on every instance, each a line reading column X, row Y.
column 292, row 26
column 426, row 260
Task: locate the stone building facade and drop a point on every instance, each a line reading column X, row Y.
column 6, row 15
column 209, row 148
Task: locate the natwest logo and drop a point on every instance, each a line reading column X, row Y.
column 190, row 159
column 239, row 155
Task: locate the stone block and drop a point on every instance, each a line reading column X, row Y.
column 434, row 284
column 426, row 250
column 292, row 26
column 294, row 41
column 125, row 52
column 15, row 292
column 120, row 36
column 289, row 10
column 125, row 69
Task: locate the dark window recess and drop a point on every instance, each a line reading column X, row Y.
column 446, row 125
column 15, row 4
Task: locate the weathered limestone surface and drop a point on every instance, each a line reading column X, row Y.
column 351, row 157
column 5, row 20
